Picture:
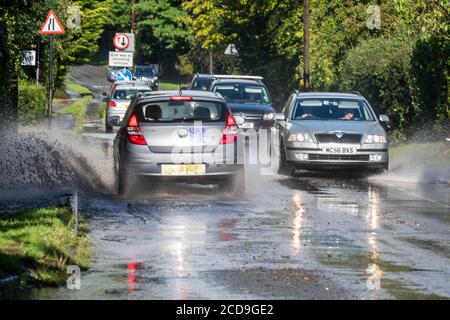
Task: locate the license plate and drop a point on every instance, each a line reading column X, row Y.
column 246, row 125
column 182, row 169
column 339, row 149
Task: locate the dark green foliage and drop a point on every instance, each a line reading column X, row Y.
column 32, row 103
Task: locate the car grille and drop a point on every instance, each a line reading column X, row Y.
column 250, row 116
column 348, row 157
column 332, row 138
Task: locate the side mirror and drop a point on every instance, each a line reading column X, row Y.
column 104, row 94
column 384, row 118
column 184, row 88
column 279, row 117
column 105, row 100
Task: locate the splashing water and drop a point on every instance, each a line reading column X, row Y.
column 419, row 163
column 36, row 157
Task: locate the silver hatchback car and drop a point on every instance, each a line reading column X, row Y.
column 188, row 136
column 331, row 130
column 118, row 101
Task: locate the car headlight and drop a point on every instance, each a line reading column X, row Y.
column 375, row 138
column 268, row 116
column 300, row 137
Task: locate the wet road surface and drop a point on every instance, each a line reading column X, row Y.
column 313, row 236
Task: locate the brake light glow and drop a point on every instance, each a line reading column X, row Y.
column 180, row 98
column 134, row 132
column 230, row 133
column 112, row 104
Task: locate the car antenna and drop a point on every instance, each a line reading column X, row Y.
column 181, row 88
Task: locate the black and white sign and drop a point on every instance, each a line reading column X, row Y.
column 28, row 58
column 120, row 59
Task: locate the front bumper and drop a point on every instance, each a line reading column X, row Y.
column 312, row 156
column 257, row 126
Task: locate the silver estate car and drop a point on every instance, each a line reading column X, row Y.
column 118, row 101
column 188, row 136
column 331, row 130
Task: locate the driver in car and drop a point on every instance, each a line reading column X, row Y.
column 348, row 116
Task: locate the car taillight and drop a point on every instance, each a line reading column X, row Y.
column 134, row 132
column 181, row 98
column 230, row 133
column 112, row 104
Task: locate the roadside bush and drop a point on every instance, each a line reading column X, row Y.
column 378, row 68
column 430, row 75
column 32, row 103
column 404, row 78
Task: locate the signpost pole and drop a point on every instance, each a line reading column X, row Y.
column 50, row 83
column 306, row 45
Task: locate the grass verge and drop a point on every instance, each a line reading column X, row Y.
column 83, row 91
column 78, row 109
column 38, row 246
column 168, row 86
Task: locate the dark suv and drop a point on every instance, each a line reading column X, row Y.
column 248, row 99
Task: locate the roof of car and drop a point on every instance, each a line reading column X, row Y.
column 233, row 81
column 328, row 95
column 183, row 93
column 131, row 86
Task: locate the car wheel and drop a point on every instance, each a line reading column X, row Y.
column 126, row 181
column 108, row 127
column 286, row 168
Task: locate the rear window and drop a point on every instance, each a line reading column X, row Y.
column 178, row 111
column 127, row 94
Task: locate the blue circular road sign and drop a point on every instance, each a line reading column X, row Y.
column 124, row 75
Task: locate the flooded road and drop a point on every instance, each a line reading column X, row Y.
column 314, row 236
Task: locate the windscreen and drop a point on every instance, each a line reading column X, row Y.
column 128, row 94
column 243, row 93
column 332, row 109
column 179, row 111
column 145, row 72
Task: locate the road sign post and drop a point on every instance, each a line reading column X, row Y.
column 50, row 83
column 51, row 27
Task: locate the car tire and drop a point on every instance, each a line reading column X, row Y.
column 108, row 127
column 125, row 181
column 286, row 168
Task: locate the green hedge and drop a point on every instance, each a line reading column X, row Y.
column 32, row 103
column 404, row 78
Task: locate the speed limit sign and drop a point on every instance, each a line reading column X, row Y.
column 121, row 41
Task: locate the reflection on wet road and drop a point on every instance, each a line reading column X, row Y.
column 308, row 237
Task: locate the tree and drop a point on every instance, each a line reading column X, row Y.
column 161, row 32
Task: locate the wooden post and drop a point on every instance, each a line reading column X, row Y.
column 306, row 84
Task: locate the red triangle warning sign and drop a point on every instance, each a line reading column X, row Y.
column 51, row 25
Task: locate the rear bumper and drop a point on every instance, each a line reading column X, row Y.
column 114, row 117
column 140, row 161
